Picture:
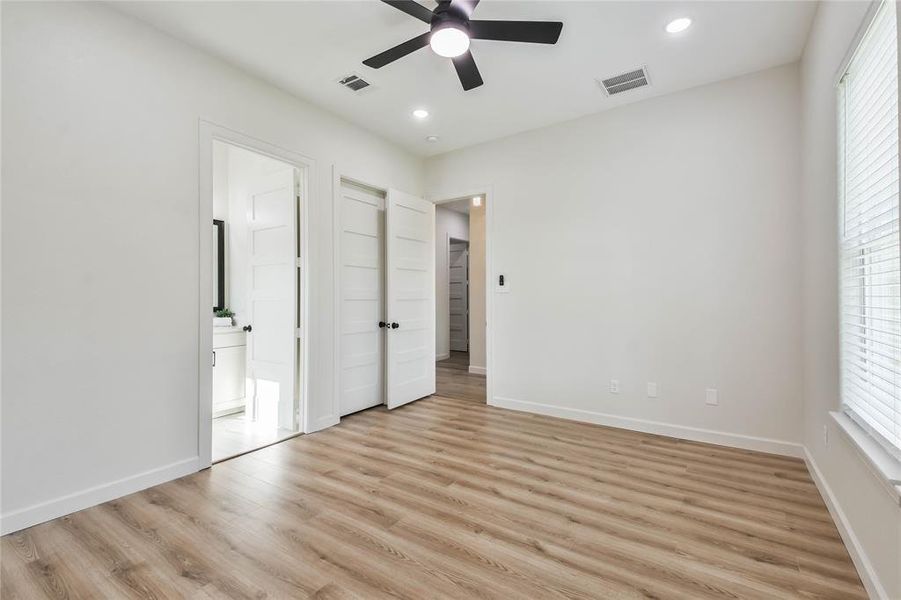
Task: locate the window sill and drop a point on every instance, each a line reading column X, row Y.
column 885, row 466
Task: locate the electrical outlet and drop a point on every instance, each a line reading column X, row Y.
column 712, row 398
column 826, row 435
column 614, row 386
column 652, row 390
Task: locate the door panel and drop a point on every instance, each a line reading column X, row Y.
column 272, row 281
column 361, row 301
column 458, row 290
column 410, row 282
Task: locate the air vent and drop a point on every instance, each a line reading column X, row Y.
column 625, row 82
column 354, row 83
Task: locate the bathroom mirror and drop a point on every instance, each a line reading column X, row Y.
column 218, row 264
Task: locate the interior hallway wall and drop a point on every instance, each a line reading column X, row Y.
column 100, row 323
column 448, row 224
column 655, row 242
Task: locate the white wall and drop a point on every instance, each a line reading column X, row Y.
column 655, row 242
column 220, row 181
column 100, row 246
column 448, row 224
column 869, row 510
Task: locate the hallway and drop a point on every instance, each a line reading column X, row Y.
column 454, row 380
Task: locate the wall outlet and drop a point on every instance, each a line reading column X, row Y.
column 826, row 435
column 614, row 386
column 712, row 398
column 652, row 390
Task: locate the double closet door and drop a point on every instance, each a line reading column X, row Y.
column 386, row 301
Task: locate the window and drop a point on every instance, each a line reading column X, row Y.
column 870, row 258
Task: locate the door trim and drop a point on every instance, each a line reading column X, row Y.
column 488, row 194
column 208, row 132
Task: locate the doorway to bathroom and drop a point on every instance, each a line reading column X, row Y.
column 256, row 300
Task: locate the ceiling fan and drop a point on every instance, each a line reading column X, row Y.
column 451, row 29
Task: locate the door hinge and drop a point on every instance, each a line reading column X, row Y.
column 297, row 333
column 298, row 262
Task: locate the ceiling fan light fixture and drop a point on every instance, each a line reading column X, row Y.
column 449, row 41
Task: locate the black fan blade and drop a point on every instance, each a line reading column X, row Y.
column 414, row 9
column 467, row 70
column 537, row 32
column 401, row 50
column 466, row 6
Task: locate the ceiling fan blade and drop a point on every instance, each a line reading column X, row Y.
column 401, row 50
column 414, row 9
column 536, row 32
column 466, row 6
column 467, row 70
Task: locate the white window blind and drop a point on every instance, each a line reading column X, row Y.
column 870, row 253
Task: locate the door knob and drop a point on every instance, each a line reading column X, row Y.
column 382, row 324
column 248, row 328
column 394, row 325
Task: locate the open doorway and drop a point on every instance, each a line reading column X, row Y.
column 460, row 301
column 256, row 296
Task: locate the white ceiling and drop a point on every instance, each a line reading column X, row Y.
column 304, row 47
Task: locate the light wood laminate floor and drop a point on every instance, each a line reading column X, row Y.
column 450, row 498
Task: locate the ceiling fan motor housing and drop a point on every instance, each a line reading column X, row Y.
column 448, row 16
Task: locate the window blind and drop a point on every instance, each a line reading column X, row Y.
column 870, row 278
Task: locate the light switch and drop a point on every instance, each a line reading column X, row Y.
column 712, row 398
column 652, row 390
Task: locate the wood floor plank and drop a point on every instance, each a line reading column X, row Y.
column 450, row 498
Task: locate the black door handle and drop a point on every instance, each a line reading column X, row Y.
column 248, row 328
column 382, row 324
column 394, row 325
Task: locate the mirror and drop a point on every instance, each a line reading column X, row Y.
column 218, row 264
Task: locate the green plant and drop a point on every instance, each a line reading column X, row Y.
column 225, row 312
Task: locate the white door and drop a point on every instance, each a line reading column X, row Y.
column 410, row 286
column 272, row 302
column 362, row 299
column 458, row 295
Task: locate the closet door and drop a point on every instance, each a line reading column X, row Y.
column 410, row 249
column 458, row 296
column 361, row 302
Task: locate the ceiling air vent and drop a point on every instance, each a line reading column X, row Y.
column 625, row 82
column 354, row 83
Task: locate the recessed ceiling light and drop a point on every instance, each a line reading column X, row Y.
column 432, row 139
column 449, row 41
column 420, row 113
column 677, row 25
column 477, row 201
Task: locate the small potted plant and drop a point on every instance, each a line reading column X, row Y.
column 224, row 317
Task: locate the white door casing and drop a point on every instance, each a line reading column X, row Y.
column 272, row 301
column 361, row 299
column 458, row 296
column 410, row 294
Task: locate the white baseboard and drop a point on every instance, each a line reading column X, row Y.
column 864, row 568
column 721, row 438
column 51, row 509
column 444, row 356
column 478, row 370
